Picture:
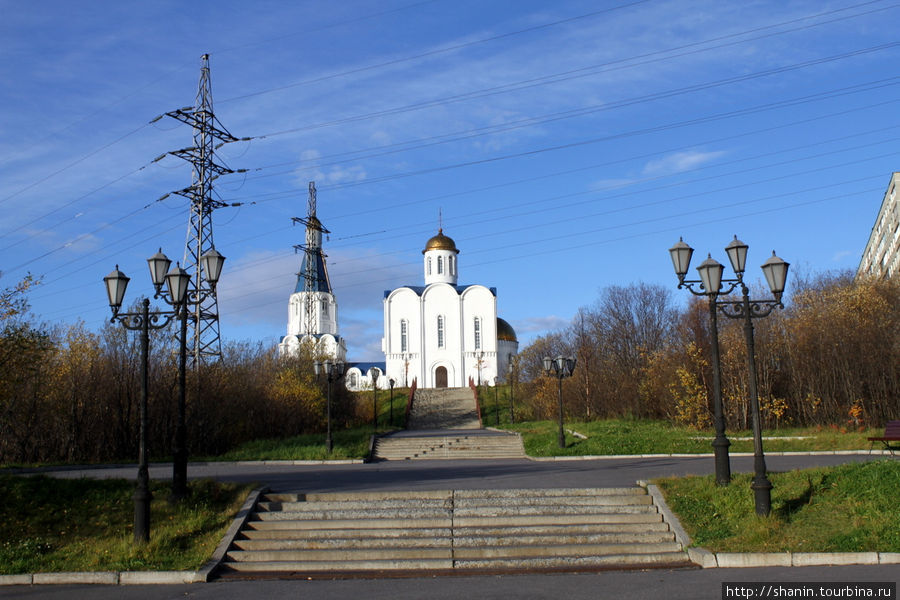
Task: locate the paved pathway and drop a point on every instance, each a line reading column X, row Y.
column 448, row 408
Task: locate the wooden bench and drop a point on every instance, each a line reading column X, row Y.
column 891, row 434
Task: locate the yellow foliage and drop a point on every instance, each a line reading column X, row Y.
column 689, row 391
column 773, row 408
column 291, row 388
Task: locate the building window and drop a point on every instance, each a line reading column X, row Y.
column 477, row 333
column 440, row 331
column 428, row 265
column 450, row 265
column 353, row 381
column 325, row 307
column 440, row 265
column 403, row 331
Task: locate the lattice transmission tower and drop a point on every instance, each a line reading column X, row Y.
column 313, row 271
column 204, row 344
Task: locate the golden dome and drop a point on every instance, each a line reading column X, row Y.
column 440, row 242
column 505, row 332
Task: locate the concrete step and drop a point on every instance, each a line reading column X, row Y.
column 312, row 524
column 557, row 550
column 351, row 496
column 341, row 554
column 517, row 510
column 661, row 559
column 341, row 514
column 549, row 492
column 346, row 535
column 337, row 566
column 555, row 519
column 570, row 501
column 325, row 543
column 300, row 506
column 477, row 541
column 564, row 530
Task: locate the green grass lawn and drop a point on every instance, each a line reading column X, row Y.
column 621, row 436
column 49, row 525
column 349, row 443
column 849, row 508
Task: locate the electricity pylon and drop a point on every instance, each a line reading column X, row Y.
column 205, row 343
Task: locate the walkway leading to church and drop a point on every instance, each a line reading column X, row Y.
column 444, row 424
column 447, row 408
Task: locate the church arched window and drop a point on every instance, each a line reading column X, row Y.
column 440, row 265
column 450, row 267
column 403, row 333
column 428, row 265
column 478, row 333
column 353, row 381
column 440, row 331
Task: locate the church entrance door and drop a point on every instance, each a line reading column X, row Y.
column 440, row 377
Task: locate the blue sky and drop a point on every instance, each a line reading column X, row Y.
column 567, row 145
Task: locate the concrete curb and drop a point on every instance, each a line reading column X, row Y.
column 239, row 520
column 709, row 560
column 709, row 455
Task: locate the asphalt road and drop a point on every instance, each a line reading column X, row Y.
column 689, row 584
column 461, row 474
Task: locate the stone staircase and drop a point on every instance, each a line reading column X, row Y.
column 449, row 444
column 444, row 531
column 447, row 408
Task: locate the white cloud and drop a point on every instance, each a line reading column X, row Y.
column 679, row 162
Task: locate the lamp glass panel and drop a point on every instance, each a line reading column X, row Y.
column 177, row 281
column 737, row 254
column 212, row 263
column 776, row 271
column 710, row 271
column 548, row 363
column 681, row 257
column 116, row 282
column 159, row 264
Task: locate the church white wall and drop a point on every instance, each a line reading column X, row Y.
column 478, row 301
column 442, row 300
column 403, row 303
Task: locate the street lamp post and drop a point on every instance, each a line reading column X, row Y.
column 374, row 373
column 143, row 321
column 511, row 370
column 709, row 285
column 479, row 361
column 560, row 367
column 496, row 401
column 775, row 271
column 392, row 382
column 211, row 264
column 333, row 372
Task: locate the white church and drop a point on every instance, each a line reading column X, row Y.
column 443, row 334
column 438, row 335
